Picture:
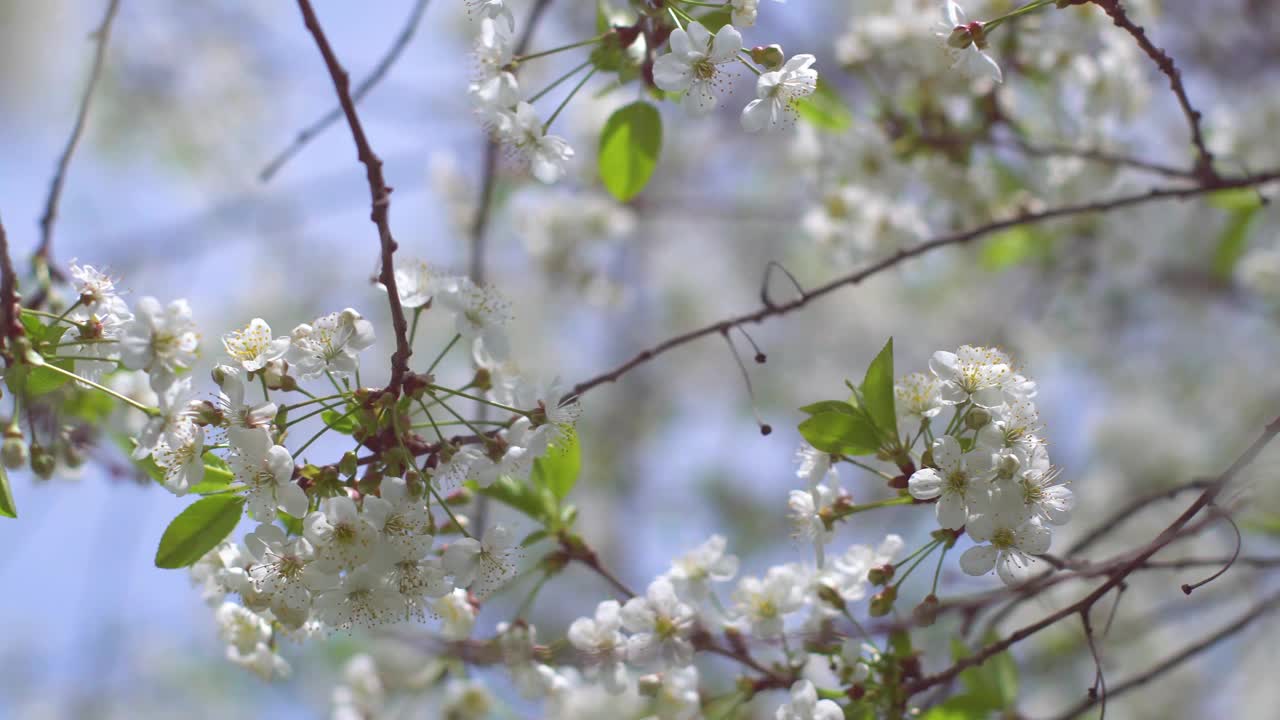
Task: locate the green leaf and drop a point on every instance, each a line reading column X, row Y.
column 42, row 380
column 629, row 148
column 877, row 392
column 1236, row 199
column 840, row 434
column 1233, row 241
column 217, row 476
column 198, row 529
column 343, row 423
column 1015, row 246
column 994, row 683
column 33, row 326
column 291, row 524
column 7, row 507
column 558, row 469
column 508, row 491
column 825, row 109
column 839, row 406
column 533, row 537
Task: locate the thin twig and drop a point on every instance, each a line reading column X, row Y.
column 379, row 193
column 45, row 249
column 1174, row 661
column 1204, row 158
column 362, row 88
column 774, row 310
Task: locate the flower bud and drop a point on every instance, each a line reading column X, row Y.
column 977, row 418
column 14, row 452
column 926, row 613
column 926, row 458
column 960, row 38
column 72, row 456
column 883, row 601
column 830, row 596
column 276, row 374
column 649, row 685
column 881, row 574
column 348, row 464
column 42, row 462
column 770, row 56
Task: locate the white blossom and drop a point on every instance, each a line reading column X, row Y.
column 692, row 64
column 805, row 705
column 777, row 93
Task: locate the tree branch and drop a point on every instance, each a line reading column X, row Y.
column 50, row 216
column 362, row 88
column 1204, row 159
column 1257, row 611
column 379, row 194
column 769, row 310
column 10, row 325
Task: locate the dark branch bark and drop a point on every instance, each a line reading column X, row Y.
column 769, row 310
column 379, row 194
column 1204, row 159
column 10, row 324
column 362, row 88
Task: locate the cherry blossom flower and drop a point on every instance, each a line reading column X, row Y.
column 253, row 346
column 160, row 339
column 330, row 345
column 266, row 471
column 692, row 64
column 805, row 705
column 661, row 625
column 960, row 488
column 546, row 154
column 976, row 374
column 692, row 573
column 777, row 92
column 601, row 640
column 965, row 43
column 1011, row 541
column 343, row 536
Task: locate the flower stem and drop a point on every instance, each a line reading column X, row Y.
column 556, row 83
column 327, row 427
column 153, row 412
column 1036, row 5
column 565, row 102
column 413, row 330
column 562, row 48
column 478, row 399
column 444, row 352
column 887, row 502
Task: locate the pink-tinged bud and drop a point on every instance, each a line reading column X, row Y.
column 771, row 57
column 926, row 613
column 883, row 601
column 959, row 38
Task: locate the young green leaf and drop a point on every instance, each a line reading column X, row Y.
column 198, row 529
column 7, row 507
column 42, row 380
column 558, row 469
column 994, row 683
column 877, row 392
column 841, row 434
column 1233, row 241
column 839, row 406
column 217, row 476
column 521, row 497
column 825, row 109
column 337, row 421
column 629, row 148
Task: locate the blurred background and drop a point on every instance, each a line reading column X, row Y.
column 1151, row 330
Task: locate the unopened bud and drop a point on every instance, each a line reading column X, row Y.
column 926, row 613
column 649, row 685
column 15, row 452
column 72, row 456
column 883, row 601
column 42, row 462
column 348, row 464
column 960, row 38
column 830, row 596
column 977, row 419
column 276, row 373
column 770, row 56
column 881, row 574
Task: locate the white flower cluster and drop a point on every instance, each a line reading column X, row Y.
column 989, row 471
column 693, row 67
column 495, row 93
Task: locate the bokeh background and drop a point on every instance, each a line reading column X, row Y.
column 1151, row 331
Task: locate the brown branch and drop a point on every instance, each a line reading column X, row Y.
column 379, row 194
column 769, row 310
column 1209, row 641
column 1204, row 159
column 1115, row 577
column 102, row 35
column 362, row 88
column 10, row 309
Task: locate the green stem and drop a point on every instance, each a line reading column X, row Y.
column 923, row 553
column 395, row 424
column 478, row 399
column 888, row 502
column 938, row 570
column 153, row 412
column 562, row 48
column 432, row 421
column 327, row 427
column 312, row 401
column 55, row 318
column 750, row 66
column 884, row 475
column 444, row 352
column 533, row 593
column 556, row 83
column 461, row 419
column 88, row 358
column 266, row 394
column 563, row 103
column 718, row 6
column 413, row 330
column 67, row 312
column 993, row 24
